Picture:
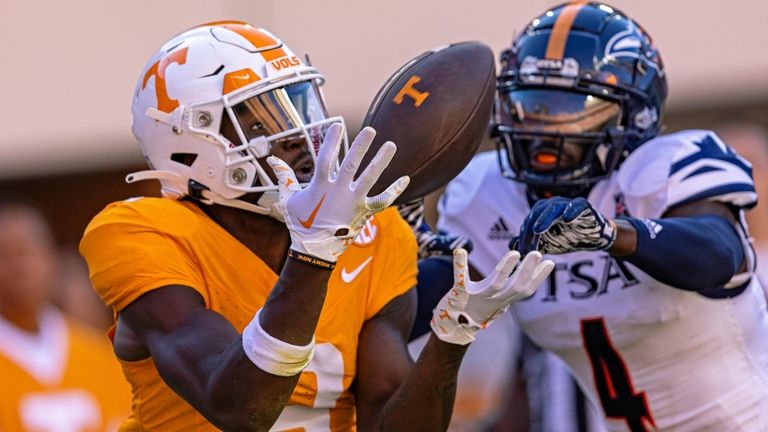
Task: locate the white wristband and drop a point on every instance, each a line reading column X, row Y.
column 273, row 355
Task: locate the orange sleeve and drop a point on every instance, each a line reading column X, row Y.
column 395, row 270
column 128, row 255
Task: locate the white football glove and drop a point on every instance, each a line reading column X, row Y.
column 471, row 306
column 326, row 216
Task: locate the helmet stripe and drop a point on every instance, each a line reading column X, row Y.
column 559, row 35
column 269, row 47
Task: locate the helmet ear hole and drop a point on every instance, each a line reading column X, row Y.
column 184, row 158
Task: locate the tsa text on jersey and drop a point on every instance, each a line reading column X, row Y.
column 586, row 278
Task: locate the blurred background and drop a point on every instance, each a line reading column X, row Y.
column 69, row 70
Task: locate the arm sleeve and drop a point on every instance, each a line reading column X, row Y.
column 435, row 279
column 128, row 256
column 699, row 253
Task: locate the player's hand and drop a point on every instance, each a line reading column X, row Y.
column 430, row 243
column 471, row 306
column 327, row 215
column 559, row 225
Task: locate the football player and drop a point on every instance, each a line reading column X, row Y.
column 55, row 374
column 652, row 304
column 266, row 290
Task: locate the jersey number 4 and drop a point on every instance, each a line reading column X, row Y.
column 614, row 385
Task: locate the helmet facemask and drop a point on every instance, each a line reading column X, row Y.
column 286, row 117
column 558, row 142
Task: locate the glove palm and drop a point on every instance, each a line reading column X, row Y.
column 471, row 306
column 327, row 215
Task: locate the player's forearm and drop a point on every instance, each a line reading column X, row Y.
column 626, row 239
column 240, row 396
column 692, row 253
column 424, row 402
column 293, row 307
column 290, row 315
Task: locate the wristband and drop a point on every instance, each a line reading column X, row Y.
column 273, row 355
column 311, row 260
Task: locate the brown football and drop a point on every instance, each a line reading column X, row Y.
column 436, row 109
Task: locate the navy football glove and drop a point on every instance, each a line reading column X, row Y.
column 559, row 225
column 430, row 243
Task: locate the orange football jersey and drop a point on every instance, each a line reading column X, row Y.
column 63, row 378
column 135, row 246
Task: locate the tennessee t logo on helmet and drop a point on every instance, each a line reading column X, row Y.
column 164, row 102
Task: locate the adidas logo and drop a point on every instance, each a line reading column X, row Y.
column 500, row 231
column 653, row 228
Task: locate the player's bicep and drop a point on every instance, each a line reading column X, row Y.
column 184, row 338
column 383, row 361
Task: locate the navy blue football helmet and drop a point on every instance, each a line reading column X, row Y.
column 580, row 88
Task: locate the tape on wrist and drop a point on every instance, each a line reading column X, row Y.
column 273, row 355
column 311, row 260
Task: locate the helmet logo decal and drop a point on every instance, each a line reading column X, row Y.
column 408, row 89
column 627, row 44
column 164, row 102
column 568, row 67
column 281, row 64
column 239, row 78
column 285, row 62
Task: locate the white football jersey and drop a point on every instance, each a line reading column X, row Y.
column 653, row 357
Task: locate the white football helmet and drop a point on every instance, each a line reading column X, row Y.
column 224, row 69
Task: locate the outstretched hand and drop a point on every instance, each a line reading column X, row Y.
column 559, row 225
column 327, row 215
column 471, row 306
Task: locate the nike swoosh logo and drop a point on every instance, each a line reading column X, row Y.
column 350, row 276
column 311, row 219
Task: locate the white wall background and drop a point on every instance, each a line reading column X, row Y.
column 68, row 68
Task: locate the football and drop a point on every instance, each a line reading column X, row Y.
column 436, row 109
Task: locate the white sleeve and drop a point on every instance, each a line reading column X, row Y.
column 684, row 167
column 705, row 168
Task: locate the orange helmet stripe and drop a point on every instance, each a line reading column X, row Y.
column 221, row 23
column 559, row 35
column 259, row 38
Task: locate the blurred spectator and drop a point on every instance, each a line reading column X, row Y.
column 54, row 374
column 751, row 142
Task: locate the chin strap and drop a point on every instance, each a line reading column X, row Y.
column 266, row 205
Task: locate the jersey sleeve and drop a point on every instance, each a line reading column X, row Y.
column 128, row 255
column 705, row 168
column 395, row 267
column 684, row 167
